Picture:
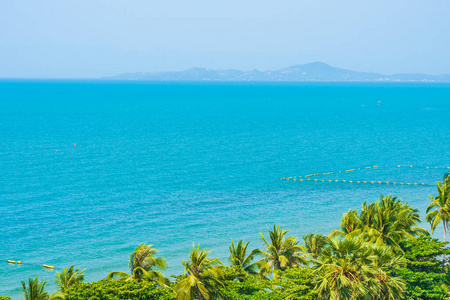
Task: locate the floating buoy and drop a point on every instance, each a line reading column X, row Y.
column 48, row 267
column 350, row 181
column 19, row 262
column 11, row 262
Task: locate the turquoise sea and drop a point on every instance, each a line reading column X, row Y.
column 91, row 169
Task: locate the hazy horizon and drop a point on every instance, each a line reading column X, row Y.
column 81, row 39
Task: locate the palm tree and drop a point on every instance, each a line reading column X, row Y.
column 354, row 269
column 35, row 290
column 389, row 221
column 343, row 269
column 141, row 264
column 314, row 244
column 239, row 258
column 439, row 209
column 350, row 225
column 202, row 276
column 68, row 277
column 385, row 283
column 281, row 252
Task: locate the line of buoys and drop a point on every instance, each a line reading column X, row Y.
column 355, row 169
column 371, row 182
column 20, row 262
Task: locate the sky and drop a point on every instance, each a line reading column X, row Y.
column 78, row 39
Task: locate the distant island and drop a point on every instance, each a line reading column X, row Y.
column 315, row 71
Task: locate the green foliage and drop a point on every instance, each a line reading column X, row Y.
column 121, row 289
column 314, row 244
column 292, row 284
column 295, row 284
column 423, row 271
column 68, row 277
column 240, row 259
column 387, row 221
column 142, row 262
column 281, row 252
column 245, row 287
column 203, row 276
column 351, row 269
column 5, row 298
column 34, row 290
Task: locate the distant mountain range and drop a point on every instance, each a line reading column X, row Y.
column 315, row 71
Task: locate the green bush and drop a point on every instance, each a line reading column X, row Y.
column 5, row 298
column 423, row 273
column 119, row 290
column 293, row 284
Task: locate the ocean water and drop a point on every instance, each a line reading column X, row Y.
column 91, row 169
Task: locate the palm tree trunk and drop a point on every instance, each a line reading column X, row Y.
column 443, row 255
column 199, row 294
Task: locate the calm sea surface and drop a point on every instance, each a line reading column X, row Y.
column 90, row 169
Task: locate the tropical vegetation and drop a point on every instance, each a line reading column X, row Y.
column 202, row 276
column 141, row 264
column 68, row 277
column 378, row 252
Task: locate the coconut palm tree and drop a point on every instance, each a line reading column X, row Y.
column 141, row 264
column 389, row 221
column 239, row 258
column 438, row 211
column 202, row 276
column 351, row 268
column 281, row 252
column 314, row 244
column 350, row 225
column 385, row 283
column 35, row 290
column 68, row 277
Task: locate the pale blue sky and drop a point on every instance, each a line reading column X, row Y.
column 55, row 39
